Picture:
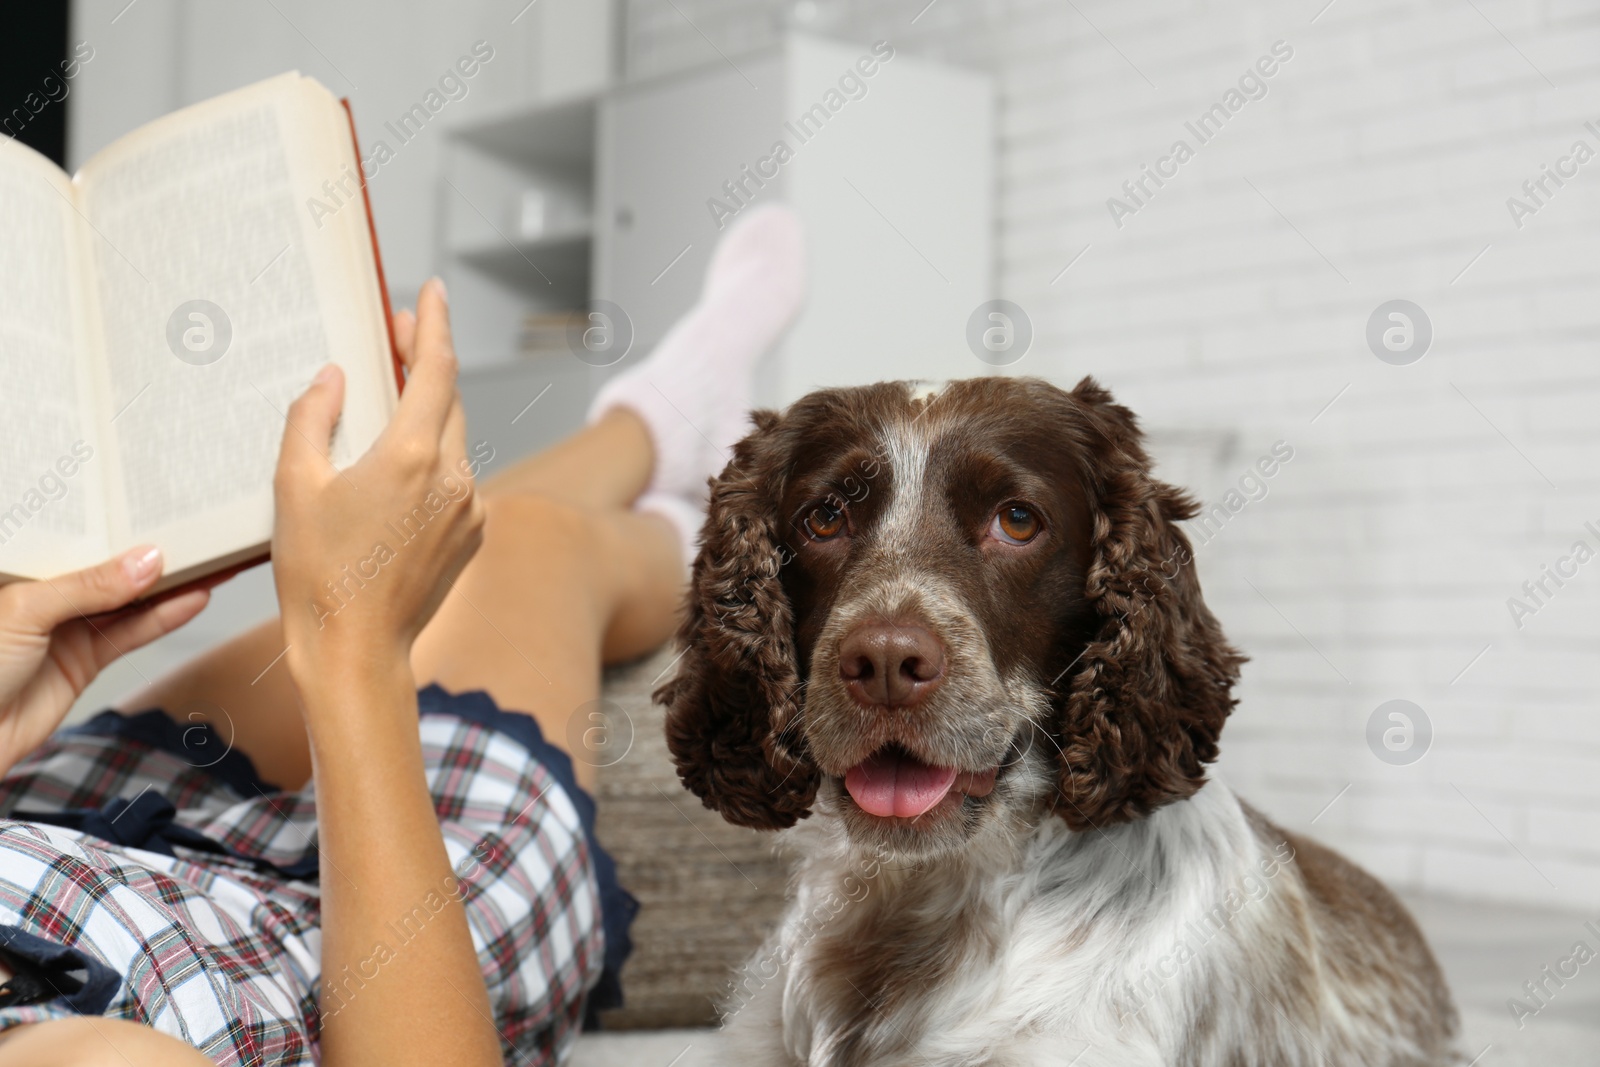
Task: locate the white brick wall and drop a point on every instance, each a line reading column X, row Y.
column 1417, row 503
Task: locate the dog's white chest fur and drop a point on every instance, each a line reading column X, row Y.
column 1130, row 947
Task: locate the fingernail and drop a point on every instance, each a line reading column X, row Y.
column 325, row 375
column 438, row 284
column 141, row 564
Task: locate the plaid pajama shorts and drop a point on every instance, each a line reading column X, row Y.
column 146, row 877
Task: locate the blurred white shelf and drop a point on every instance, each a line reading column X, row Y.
column 529, row 168
column 560, row 133
column 530, row 264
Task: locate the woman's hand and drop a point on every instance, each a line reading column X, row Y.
column 55, row 638
column 363, row 557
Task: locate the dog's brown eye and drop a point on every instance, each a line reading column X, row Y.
column 1016, row 524
column 824, row 521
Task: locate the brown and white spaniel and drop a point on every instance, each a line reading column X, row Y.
column 962, row 629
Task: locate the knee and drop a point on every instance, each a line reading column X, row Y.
column 527, row 525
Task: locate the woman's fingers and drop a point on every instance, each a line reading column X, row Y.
column 433, row 319
column 42, row 606
column 308, row 431
column 139, row 629
column 431, row 383
column 453, row 438
column 405, row 335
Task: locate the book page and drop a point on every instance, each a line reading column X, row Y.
column 52, row 517
column 218, row 303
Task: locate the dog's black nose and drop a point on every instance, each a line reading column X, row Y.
column 890, row 665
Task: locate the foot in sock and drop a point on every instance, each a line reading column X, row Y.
column 693, row 393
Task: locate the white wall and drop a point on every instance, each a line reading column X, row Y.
column 1231, row 309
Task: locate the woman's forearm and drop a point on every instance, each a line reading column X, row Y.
column 384, row 866
column 384, row 869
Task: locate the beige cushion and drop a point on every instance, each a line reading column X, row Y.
column 709, row 891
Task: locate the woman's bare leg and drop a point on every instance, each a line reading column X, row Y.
column 241, row 688
column 606, row 464
column 559, row 593
column 564, row 583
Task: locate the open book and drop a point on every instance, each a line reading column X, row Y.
column 161, row 309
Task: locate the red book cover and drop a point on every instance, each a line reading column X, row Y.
column 377, row 258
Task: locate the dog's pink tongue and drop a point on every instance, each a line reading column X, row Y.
column 895, row 784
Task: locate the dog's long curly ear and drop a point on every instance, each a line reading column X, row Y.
column 1148, row 697
column 737, row 686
